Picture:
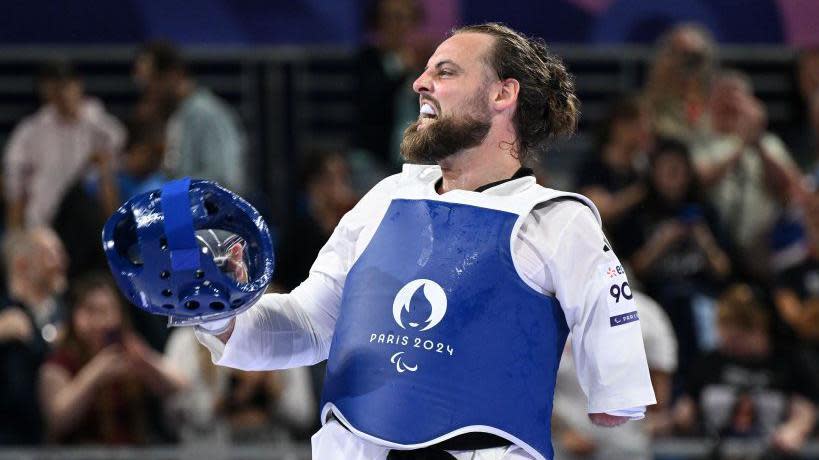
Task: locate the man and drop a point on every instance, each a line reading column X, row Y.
column 743, row 166
column 50, row 151
column 29, row 322
column 204, row 138
column 485, row 271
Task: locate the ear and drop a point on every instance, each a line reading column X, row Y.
column 506, row 95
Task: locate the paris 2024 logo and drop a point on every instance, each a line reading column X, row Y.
column 401, row 307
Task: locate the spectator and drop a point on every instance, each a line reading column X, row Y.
column 749, row 388
column 52, row 150
column 328, row 195
column 577, row 437
column 224, row 403
column 796, row 291
column 142, row 160
column 29, row 323
column 742, row 166
column 96, row 386
column 611, row 179
column 679, row 80
column 676, row 249
column 383, row 72
column 204, row 137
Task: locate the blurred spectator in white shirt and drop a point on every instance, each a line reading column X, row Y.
column 574, row 434
column 70, row 137
column 204, row 137
column 743, row 167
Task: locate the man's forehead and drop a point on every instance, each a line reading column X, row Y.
column 464, row 49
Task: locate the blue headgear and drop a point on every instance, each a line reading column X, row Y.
column 163, row 265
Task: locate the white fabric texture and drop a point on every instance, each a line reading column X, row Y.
column 558, row 251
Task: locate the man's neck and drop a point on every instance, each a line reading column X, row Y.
column 470, row 169
column 186, row 88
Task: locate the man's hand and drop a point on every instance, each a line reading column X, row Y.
column 789, row 439
column 753, row 120
column 15, row 325
column 109, row 364
column 607, row 420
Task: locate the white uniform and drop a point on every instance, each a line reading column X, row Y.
column 559, row 251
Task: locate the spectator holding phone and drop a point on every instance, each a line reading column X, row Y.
column 675, row 247
column 743, row 167
column 96, row 386
column 611, row 178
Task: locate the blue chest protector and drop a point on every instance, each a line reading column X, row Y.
column 438, row 335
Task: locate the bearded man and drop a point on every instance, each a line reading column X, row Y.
column 442, row 301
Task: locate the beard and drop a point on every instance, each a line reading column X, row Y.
column 443, row 137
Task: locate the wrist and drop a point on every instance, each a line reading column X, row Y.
column 215, row 327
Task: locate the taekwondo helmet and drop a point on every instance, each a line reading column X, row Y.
column 176, row 251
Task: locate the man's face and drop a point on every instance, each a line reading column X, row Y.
column 454, row 100
column 65, row 95
column 727, row 98
column 157, row 86
column 809, row 74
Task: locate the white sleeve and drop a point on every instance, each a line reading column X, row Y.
column 593, row 291
column 290, row 330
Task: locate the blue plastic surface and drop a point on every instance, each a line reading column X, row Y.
column 152, row 251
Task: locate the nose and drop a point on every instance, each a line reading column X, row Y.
column 422, row 84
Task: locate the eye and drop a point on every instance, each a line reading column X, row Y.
column 445, row 73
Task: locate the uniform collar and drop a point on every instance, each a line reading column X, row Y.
column 521, row 172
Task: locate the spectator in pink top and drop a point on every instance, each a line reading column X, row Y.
column 70, row 137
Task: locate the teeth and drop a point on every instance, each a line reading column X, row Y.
column 427, row 109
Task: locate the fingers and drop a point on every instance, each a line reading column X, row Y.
column 15, row 325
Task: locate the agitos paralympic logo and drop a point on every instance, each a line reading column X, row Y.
column 402, row 306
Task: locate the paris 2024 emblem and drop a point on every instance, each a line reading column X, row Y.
column 414, row 339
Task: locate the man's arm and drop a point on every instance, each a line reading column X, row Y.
column 598, row 303
column 15, row 167
column 295, row 329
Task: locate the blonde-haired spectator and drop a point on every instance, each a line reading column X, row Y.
column 679, row 79
column 30, row 322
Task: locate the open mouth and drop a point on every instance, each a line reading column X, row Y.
column 427, row 112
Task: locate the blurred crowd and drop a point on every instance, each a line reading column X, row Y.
column 714, row 217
